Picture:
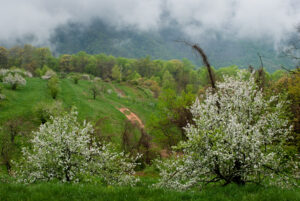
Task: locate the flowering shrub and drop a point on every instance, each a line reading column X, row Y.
column 3, row 73
column 63, row 149
column 48, row 74
column 14, row 80
column 14, row 70
column 238, row 137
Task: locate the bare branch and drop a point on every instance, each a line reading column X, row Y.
column 261, row 62
column 204, row 59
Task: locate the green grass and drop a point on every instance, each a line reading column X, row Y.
column 54, row 191
column 21, row 103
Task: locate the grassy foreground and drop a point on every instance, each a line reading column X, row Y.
column 54, row 191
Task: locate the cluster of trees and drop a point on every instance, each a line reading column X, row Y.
column 237, row 130
column 156, row 74
column 247, row 144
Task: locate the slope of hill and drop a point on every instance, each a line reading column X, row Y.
column 98, row 37
column 103, row 112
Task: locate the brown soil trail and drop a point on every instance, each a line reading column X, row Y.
column 132, row 117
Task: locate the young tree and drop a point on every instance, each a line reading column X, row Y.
column 14, row 80
column 238, row 137
column 116, row 73
column 65, row 63
column 53, row 85
column 95, row 89
column 63, row 149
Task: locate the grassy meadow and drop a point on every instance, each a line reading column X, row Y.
column 144, row 191
column 21, row 103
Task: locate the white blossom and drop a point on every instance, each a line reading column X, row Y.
column 14, row 80
column 63, row 149
column 238, row 137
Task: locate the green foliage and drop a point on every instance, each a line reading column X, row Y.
column 53, row 86
column 7, row 149
column 168, row 81
column 167, row 125
column 2, row 96
column 227, row 71
column 42, row 71
column 75, row 77
column 134, row 77
column 278, row 74
column 44, row 110
column 116, row 73
column 95, row 89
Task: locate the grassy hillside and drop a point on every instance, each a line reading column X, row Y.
column 22, row 102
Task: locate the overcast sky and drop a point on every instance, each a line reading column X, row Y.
column 256, row 19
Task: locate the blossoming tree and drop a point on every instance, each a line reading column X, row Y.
column 63, row 149
column 238, row 137
column 14, row 80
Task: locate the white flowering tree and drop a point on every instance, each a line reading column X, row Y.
column 14, row 80
column 64, row 150
column 238, row 137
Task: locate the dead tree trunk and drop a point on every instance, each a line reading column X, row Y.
column 207, row 64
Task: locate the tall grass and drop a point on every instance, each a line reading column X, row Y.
column 55, row 191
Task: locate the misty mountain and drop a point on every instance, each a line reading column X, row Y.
column 98, row 37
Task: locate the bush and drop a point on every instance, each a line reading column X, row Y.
column 76, row 79
column 3, row 73
column 95, row 89
column 64, row 150
column 238, row 137
column 53, row 85
column 14, row 80
column 44, row 110
column 49, row 74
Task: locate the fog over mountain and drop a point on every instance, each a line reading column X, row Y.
column 37, row 21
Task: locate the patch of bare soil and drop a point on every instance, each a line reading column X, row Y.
column 164, row 153
column 133, row 118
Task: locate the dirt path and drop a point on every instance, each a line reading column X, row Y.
column 132, row 117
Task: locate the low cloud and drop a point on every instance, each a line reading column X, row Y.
column 255, row 19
